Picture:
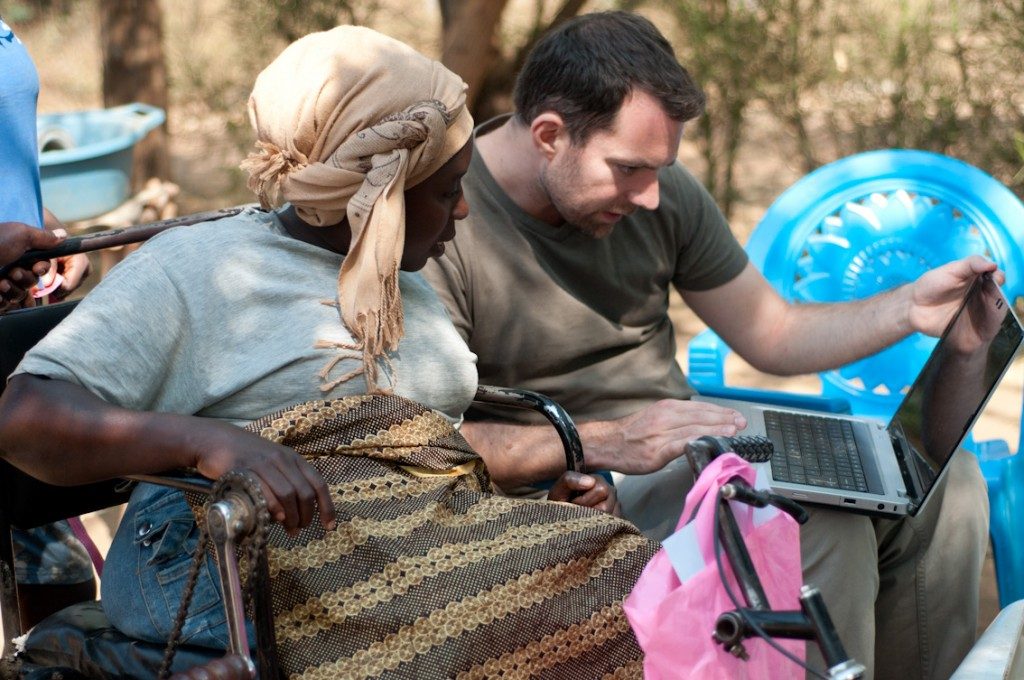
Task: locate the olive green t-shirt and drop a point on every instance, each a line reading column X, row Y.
column 582, row 320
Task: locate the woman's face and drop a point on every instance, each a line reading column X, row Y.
column 431, row 208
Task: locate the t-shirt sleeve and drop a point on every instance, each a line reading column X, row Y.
column 447, row 276
column 709, row 254
column 124, row 340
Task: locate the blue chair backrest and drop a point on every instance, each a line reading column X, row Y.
column 873, row 221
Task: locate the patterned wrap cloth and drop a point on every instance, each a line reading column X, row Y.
column 428, row 574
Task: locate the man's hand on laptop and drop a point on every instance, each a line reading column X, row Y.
column 651, row 438
column 983, row 318
column 937, row 294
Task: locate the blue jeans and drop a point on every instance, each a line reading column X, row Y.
column 147, row 569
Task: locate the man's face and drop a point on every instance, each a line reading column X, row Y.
column 615, row 171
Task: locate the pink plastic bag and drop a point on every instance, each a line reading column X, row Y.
column 673, row 620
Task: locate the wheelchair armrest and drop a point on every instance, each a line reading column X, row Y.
column 183, row 480
column 549, row 408
column 810, row 402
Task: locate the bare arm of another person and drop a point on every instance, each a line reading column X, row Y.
column 789, row 339
column 97, row 441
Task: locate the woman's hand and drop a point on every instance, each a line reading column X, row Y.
column 109, row 441
column 293, row 488
column 593, row 492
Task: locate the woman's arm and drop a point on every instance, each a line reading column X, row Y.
column 62, row 434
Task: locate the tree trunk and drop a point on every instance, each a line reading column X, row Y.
column 134, row 70
column 469, row 29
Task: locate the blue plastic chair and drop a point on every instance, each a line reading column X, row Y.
column 868, row 223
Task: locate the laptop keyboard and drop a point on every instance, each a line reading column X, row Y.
column 814, row 450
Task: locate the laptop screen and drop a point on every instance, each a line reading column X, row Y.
column 957, row 380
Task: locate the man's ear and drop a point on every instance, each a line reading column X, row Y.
column 549, row 134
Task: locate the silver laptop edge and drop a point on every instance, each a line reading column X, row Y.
column 888, row 493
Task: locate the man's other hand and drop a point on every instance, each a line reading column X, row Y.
column 937, row 294
column 651, row 438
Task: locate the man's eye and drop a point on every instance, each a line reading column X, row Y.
column 627, row 169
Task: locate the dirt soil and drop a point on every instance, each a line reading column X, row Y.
column 205, row 158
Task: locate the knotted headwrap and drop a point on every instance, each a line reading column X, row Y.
column 346, row 120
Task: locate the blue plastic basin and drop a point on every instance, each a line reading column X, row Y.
column 85, row 157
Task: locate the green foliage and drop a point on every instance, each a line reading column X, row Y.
column 842, row 77
column 292, row 19
column 26, row 11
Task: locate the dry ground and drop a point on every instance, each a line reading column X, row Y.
column 205, row 157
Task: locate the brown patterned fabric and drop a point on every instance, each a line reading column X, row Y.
column 428, row 574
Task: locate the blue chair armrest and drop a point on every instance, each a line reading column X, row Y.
column 811, row 402
column 706, row 354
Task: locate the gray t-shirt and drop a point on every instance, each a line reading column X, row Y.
column 219, row 320
column 582, row 320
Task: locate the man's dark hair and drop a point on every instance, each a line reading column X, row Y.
column 584, row 69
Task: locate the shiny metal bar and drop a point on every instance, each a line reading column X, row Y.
column 227, row 520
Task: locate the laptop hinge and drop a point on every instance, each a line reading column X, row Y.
column 912, row 493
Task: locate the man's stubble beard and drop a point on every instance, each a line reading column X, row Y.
column 558, row 184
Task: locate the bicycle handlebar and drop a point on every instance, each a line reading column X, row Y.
column 812, row 622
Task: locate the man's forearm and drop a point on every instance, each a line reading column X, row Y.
column 818, row 337
column 518, row 454
column 638, row 443
column 786, row 339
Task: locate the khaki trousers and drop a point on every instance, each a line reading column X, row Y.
column 902, row 593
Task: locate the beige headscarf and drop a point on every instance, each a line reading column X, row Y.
column 346, row 120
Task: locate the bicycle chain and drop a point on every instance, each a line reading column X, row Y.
column 256, row 581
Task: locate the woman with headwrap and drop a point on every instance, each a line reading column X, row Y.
column 310, row 313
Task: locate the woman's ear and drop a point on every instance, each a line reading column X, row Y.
column 549, row 134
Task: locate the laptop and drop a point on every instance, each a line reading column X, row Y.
column 888, row 469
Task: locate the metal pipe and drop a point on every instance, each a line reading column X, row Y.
column 226, row 520
column 9, row 610
column 549, row 408
column 840, row 665
column 181, row 481
column 117, row 237
column 739, row 558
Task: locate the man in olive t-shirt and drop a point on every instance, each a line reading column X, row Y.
column 581, row 220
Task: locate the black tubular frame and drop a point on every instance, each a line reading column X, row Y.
column 757, row 618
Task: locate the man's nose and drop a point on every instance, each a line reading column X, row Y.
column 647, row 197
